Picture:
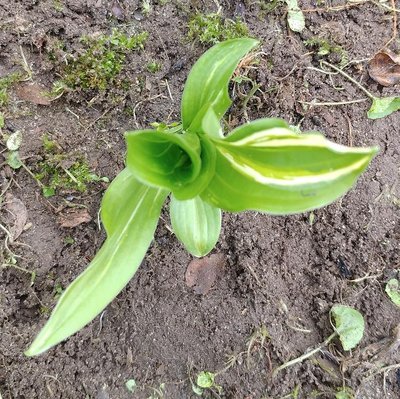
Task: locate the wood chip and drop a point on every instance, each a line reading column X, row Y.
column 74, row 217
column 202, row 273
column 33, row 93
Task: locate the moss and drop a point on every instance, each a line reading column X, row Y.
column 325, row 47
column 63, row 172
column 102, row 60
column 213, row 28
column 5, row 84
column 153, row 66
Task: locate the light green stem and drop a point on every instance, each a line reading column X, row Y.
column 352, row 80
column 305, row 355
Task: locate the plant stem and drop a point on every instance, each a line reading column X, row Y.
column 304, row 356
column 39, row 183
column 352, row 80
column 333, row 103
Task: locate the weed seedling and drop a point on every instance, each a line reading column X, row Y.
column 63, row 172
column 213, row 28
column 5, row 84
column 205, row 380
column 146, row 7
column 381, row 106
column 348, row 325
column 344, row 393
column 325, row 47
column 263, row 165
column 153, row 66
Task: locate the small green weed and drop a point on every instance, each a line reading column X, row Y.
column 146, row 7
column 267, row 6
column 205, row 380
column 102, row 60
column 213, row 28
column 325, row 47
column 5, row 83
column 153, row 66
column 57, row 290
column 58, row 172
column 157, row 393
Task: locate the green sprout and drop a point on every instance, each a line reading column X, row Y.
column 348, row 325
column 153, row 66
column 5, row 84
column 205, row 380
column 263, row 165
column 325, row 47
column 63, row 172
column 213, row 28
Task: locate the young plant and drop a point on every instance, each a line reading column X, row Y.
column 348, row 324
column 262, row 165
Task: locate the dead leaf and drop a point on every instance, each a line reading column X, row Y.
column 117, row 11
column 17, row 215
column 74, row 217
column 33, row 93
column 384, row 68
column 202, row 273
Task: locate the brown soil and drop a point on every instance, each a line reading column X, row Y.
column 283, row 273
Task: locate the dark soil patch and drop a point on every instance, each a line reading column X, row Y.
column 282, row 272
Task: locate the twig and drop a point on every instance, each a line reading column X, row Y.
column 333, row 103
column 97, row 119
column 304, row 356
column 25, row 65
column 321, row 71
column 366, row 277
column 39, row 183
column 352, row 80
column 336, row 8
column 394, row 34
column 169, row 90
column 350, row 133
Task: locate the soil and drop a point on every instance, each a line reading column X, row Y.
column 283, row 273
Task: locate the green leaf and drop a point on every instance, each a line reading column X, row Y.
column 14, row 141
column 382, row 107
column 393, row 290
column 181, row 163
column 349, row 324
column 196, row 224
column 206, row 122
column 295, row 16
column 166, row 160
column 13, row 160
column 267, row 167
column 345, row 393
column 208, row 157
column 208, row 80
column 130, row 211
column 197, row 390
column 205, row 379
column 131, row 385
column 48, row 191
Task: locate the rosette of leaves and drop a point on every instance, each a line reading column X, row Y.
column 262, row 165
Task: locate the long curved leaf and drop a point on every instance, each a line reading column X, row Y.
column 130, row 212
column 196, row 223
column 209, row 78
column 278, row 171
column 167, row 160
column 208, row 157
